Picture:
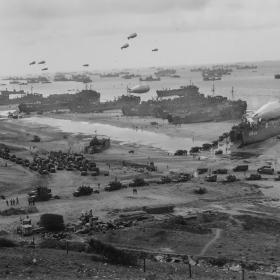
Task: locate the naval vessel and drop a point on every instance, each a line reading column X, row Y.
column 257, row 127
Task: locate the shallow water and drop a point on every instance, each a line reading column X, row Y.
column 124, row 135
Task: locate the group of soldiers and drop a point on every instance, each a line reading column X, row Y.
column 12, row 202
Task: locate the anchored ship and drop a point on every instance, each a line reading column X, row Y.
column 260, row 126
column 149, row 79
column 165, row 72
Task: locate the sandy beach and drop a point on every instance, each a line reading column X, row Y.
column 200, row 131
column 232, row 201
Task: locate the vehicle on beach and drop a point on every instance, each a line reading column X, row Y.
column 202, row 170
column 230, row 179
column 254, row 177
column 220, row 171
column 25, row 228
column 266, row 170
column 241, row 168
column 211, row 178
column 83, row 190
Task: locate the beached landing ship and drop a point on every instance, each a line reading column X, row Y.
column 82, row 101
column 19, row 97
column 190, row 107
column 261, row 125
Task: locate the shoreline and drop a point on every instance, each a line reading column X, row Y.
column 136, row 131
column 205, row 131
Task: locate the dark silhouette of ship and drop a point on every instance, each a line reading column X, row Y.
column 109, row 75
column 149, row 79
column 19, row 97
column 81, row 78
column 264, row 124
column 82, row 101
column 246, row 67
column 182, row 91
column 165, row 72
column 191, row 106
column 246, row 133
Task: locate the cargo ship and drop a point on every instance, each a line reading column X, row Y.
column 260, row 126
column 182, row 91
column 246, row 67
column 109, row 75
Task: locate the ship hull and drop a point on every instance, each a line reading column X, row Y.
column 260, row 134
column 184, row 91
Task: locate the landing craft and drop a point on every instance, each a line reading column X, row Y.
column 154, row 50
column 138, row 89
column 131, row 36
column 42, row 62
column 125, row 46
column 44, row 69
column 86, row 65
column 32, row 63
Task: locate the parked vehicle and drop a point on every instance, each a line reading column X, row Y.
column 266, row 170
column 241, row 168
column 230, row 178
column 220, row 171
column 40, row 194
column 202, row 170
column 83, row 190
column 211, row 178
column 254, row 177
column 25, row 228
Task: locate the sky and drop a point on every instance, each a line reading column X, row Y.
column 69, row 33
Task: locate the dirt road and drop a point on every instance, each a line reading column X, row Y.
column 212, row 241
